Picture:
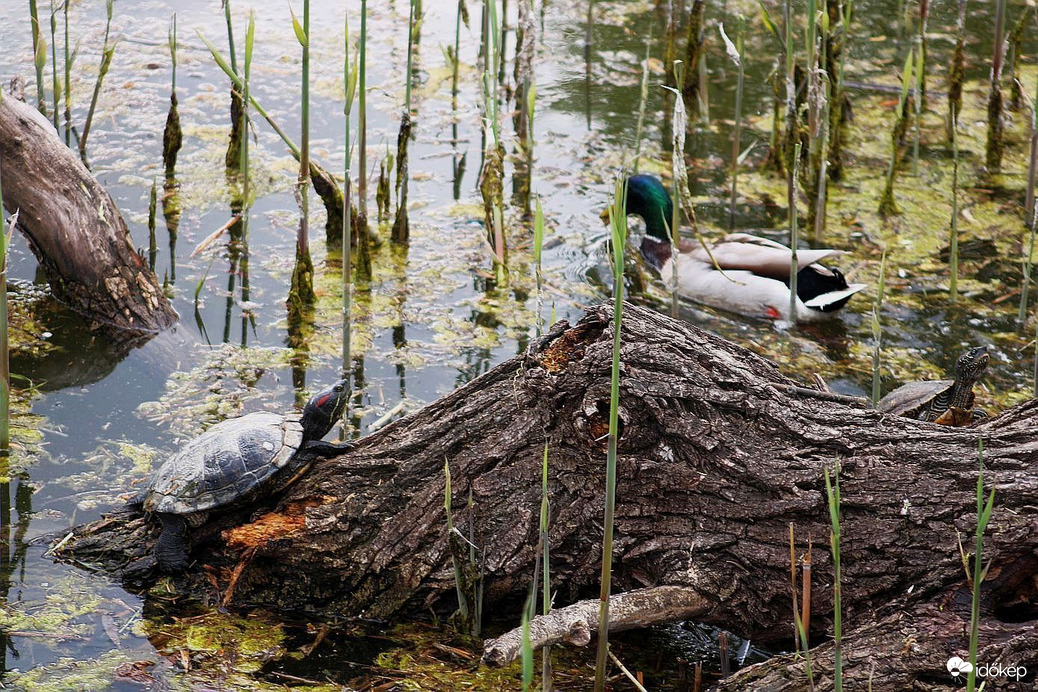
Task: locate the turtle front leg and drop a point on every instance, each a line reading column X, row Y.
column 171, row 548
column 320, row 448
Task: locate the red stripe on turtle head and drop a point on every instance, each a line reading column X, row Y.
column 323, row 400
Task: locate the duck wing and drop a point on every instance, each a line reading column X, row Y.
column 761, row 256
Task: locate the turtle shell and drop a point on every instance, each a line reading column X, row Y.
column 231, row 462
column 911, row 399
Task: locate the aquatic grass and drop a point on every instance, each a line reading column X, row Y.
column 232, row 158
column 362, row 126
column 1032, row 164
column 917, row 110
column 172, row 136
column 832, row 492
column 301, row 296
column 953, row 256
column 153, row 251
column 107, row 53
column 922, row 51
column 792, row 116
column 55, row 85
column 401, row 226
column 39, row 56
column 540, row 571
column 545, row 567
column 734, row 51
column 957, row 72
column 643, row 98
column 538, row 246
column 996, row 122
column 6, row 229
column 984, row 509
column 887, row 205
column 695, row 88
column 245, row 172
column 836, row 61
column 816, row 36
column 1016, row 38
column 349, row 78
column 794, row 239
column 618, row 228
column 793, row 588
column 677, row 164
column 877, row 332
column 491, row 179
column 69, row 57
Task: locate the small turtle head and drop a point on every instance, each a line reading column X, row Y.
column 324, row 409
column 971, row 365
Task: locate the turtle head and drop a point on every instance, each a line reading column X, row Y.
column 971, row 365
column 324, row 409
column 647, row 198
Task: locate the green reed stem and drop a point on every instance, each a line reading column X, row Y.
column 459, row 580
column 643, row 99
column 230, row 34
column 362, row 121
column 5, row 369
column 538, row 246
column 68, row 78
column 39, row 56
column 55, row 87
column 917, row 108
column 887, row 205
column 546, row 569
column 953, row 257
column 794, row 236
column 349, row 75
column 984, row 509
column 107, row 52
column 735, row 53
column 877, row 332
column 618, row 225
column 832, row 491
column 302, row 32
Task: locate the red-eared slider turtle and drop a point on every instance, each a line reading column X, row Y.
column 931, row 400
column 234, row 462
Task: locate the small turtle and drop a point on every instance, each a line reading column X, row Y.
column 234, row 462
column 931, row 400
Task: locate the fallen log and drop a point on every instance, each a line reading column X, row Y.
column 718, row 455
column 75, row 229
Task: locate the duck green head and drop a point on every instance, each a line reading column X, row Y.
column 647, row 198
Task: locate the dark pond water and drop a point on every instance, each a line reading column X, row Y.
column 431, row 320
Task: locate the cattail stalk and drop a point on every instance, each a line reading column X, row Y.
column 39, row 56
column 107, row 52
column 735, row 53
column 618, row 226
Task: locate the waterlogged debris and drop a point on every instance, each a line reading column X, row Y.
column 226, row 645
column 136, row 671
column 72, row 674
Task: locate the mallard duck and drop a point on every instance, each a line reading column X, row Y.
column 755, row 280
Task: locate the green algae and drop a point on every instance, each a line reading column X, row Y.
column 229, row 647
column 221, row 386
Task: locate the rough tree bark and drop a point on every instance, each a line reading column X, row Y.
column 75, row 229
column 717, row 458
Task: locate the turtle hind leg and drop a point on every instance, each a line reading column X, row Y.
column 171, row 548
